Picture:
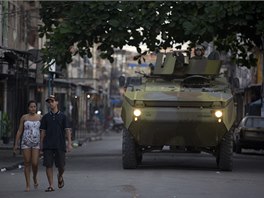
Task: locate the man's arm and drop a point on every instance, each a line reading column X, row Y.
column 42, row 135
column 69, row 139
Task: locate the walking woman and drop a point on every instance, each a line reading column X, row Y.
column 30, row 142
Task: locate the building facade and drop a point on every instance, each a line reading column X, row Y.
column 21, row 76
column 18, row 34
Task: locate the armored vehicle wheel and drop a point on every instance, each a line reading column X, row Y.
column 234, row 146
column 225, row 153
column 129, row 156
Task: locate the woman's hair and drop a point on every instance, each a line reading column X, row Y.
column 31, row 101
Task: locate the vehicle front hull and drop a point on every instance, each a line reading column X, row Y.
column 159, row 126
column 195, row 133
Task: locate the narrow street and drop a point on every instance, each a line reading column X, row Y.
column 95, row 170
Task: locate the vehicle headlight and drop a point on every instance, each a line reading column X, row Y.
column 218, row 113
column 137, row 112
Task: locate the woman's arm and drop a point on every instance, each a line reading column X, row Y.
column 19, row 132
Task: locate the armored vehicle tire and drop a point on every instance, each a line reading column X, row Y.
column 225, row 153
column 129, row 156
column 234, row 146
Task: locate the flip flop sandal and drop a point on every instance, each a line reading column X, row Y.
column 49, row 189
column 60, row 182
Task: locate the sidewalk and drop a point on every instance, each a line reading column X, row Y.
column 9, row 161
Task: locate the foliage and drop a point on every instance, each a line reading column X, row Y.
column 235, row 26
column 5, row 125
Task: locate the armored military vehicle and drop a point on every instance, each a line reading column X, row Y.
column 184, row 104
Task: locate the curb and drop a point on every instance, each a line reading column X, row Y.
column 95, row 137
column 13, row 167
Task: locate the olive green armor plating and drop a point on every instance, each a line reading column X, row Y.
column 184, row 103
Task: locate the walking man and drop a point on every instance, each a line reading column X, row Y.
column 55, row 130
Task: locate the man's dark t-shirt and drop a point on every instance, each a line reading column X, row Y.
column 54, row 124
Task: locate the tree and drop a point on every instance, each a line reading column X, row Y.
column 235, row 26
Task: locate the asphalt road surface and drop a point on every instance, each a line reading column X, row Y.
column 94, row 170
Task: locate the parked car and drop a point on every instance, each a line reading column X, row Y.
column 249, row 134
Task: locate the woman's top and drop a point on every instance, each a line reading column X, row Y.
column 31, row 135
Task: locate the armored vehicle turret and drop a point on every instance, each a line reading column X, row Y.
column 185, row 103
